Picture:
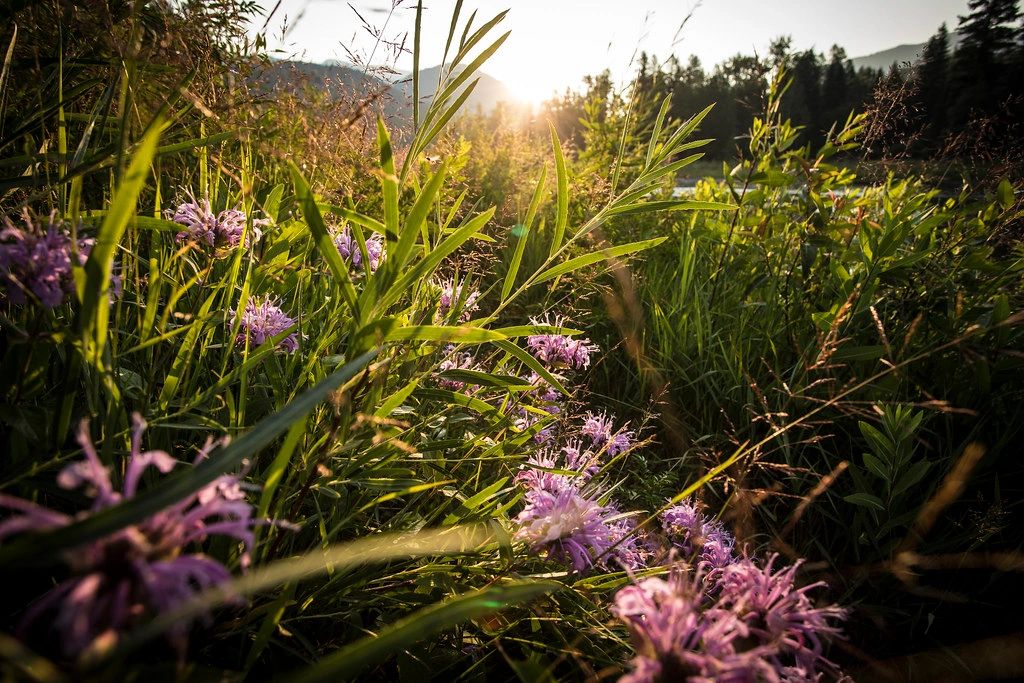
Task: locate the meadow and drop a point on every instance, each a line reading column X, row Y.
column 292, row 391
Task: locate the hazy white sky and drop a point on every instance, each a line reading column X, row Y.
column 554, row 43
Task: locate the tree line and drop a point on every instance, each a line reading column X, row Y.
column 966, row 86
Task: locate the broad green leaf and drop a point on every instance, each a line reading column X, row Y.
column 865, row 500
column 521, row 233
column 95, row 293
column 562, row 176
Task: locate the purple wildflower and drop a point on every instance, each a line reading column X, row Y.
column 38, row 261
column 454, row 360
column 261, row 320
column 631, row 547
column 35, row 260
column 348, row 247
column 566, row 524
column 600, row 429
column 680, row 638
column 694, row 534
column 544, row 391
column 580, row 459
column 137, row 571
column 534, row 474
column 780, row 615
column 559, row 350
column 218, row 230
column 456, row 294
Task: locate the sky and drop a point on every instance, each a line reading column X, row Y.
column 555, row 43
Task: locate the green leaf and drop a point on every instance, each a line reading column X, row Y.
column 417, row 215
column 876, row 466
column 865, row 500
column 589, row 259
column 396, row 399
column 912, row 476
column 880, row 444
column 95, row 294
column 322, row 237
column 562, row 213
column 353, row 659
column 442, row 333
column 1004, row 194
column 670, row 205
column 521, row 233
column 531, row 362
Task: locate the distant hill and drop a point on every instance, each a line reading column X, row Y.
column 342, row 80
column 487, row 94
column 898, row 55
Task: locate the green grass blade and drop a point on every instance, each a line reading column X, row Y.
column 589, row 259
column 523, row 235
column 426, row 623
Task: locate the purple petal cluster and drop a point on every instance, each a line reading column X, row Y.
column 38, row 261
column 568, row 525
column 757, row 627
column 600, row 429
column 35, row 260
column 694, row 534
column 566, row 522
column 348, row 247
column 781, row 616
column 456, row 294
column 204, row 226
column 455, row 360
column 135, row 572
column 559, row 350
column 263, row 319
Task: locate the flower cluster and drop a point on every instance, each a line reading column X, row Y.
column 695, row 535
column 219, row 230
column 600, row 429
column 38, row 261
column 348, row 247
column 456, row 294
column 757, row 626
column 568, row 524
column 560, row 517
column 140, row 570
column 455, row 360
column 263, row 319
column 565, row 520
column 559, row 350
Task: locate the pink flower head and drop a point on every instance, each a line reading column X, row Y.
column 456, row 296
column 679, row 637
column 559, row 350
column 455, row 360
column 600, row 429
column 779, row 614
column 218, row 230
column 140, row 570
column 567, row 525
column 694, row 534
column 348, row 247
column 263, row 319
column 35, row 260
